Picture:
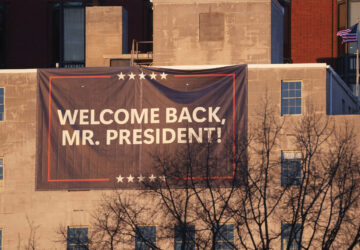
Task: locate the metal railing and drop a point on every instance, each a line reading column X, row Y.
column 135, row 52
column 346, row 68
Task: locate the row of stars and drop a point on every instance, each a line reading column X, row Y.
column 140, row 178
column 122, row 76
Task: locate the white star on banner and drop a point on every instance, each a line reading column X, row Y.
column 130, row 178
column 142, row 75
column 121, row 76
column 162, row 178
column 141, row 178
column 153, row 76
column 163, row 75
column 152, row 178
column 132, row 76
column 119, row 178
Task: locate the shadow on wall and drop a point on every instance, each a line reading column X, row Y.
column 345, row 67
column 328, row 60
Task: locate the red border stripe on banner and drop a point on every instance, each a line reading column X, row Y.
column 49, row 132
column 234, row 165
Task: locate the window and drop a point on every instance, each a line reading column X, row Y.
column 2, row 103
column 1, row 239
column 287, row 235
column 69, row 33
column 74, row 34
column 145, row 237
column 1, row 169
column 290, row 97
column 290, row 168
column 189, row 237
column 77, row 238
column 224, row 238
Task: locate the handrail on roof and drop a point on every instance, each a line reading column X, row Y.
column 135, row 50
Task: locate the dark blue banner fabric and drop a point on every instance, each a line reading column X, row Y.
column 104, row 128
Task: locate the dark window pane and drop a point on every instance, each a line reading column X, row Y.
column 74, row 33
column 224, row 236
column 285, row 102
column 77, row 238
column 283, row 110
column 184, row 235
column 285, row 93
column 145, row 237
column 286, row 110
column 290, row 232
column 290, row 168
column 290, row 98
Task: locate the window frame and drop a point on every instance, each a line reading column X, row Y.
column 189, row 244
column 291, row 98
column 297, row 178
column 142, row 242
column 296, row 240
column 58, row 50
column 2, row 104
column 220, row 241
column 77, row 245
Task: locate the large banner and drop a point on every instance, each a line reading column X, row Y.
column 104, row 128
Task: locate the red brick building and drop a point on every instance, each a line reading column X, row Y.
column 313, row 31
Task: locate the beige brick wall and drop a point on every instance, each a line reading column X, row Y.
column 244, row 34
column 106, row 33
column 51, row 209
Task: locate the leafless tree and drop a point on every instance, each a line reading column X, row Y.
column 79, row 241
column 189, row 200
column 317, row 203
column 116, row 222
column 32, row 243
column 321, row 207
column 256, row 202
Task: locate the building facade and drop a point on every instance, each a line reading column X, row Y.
column 193, row 35
column 23, row 207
